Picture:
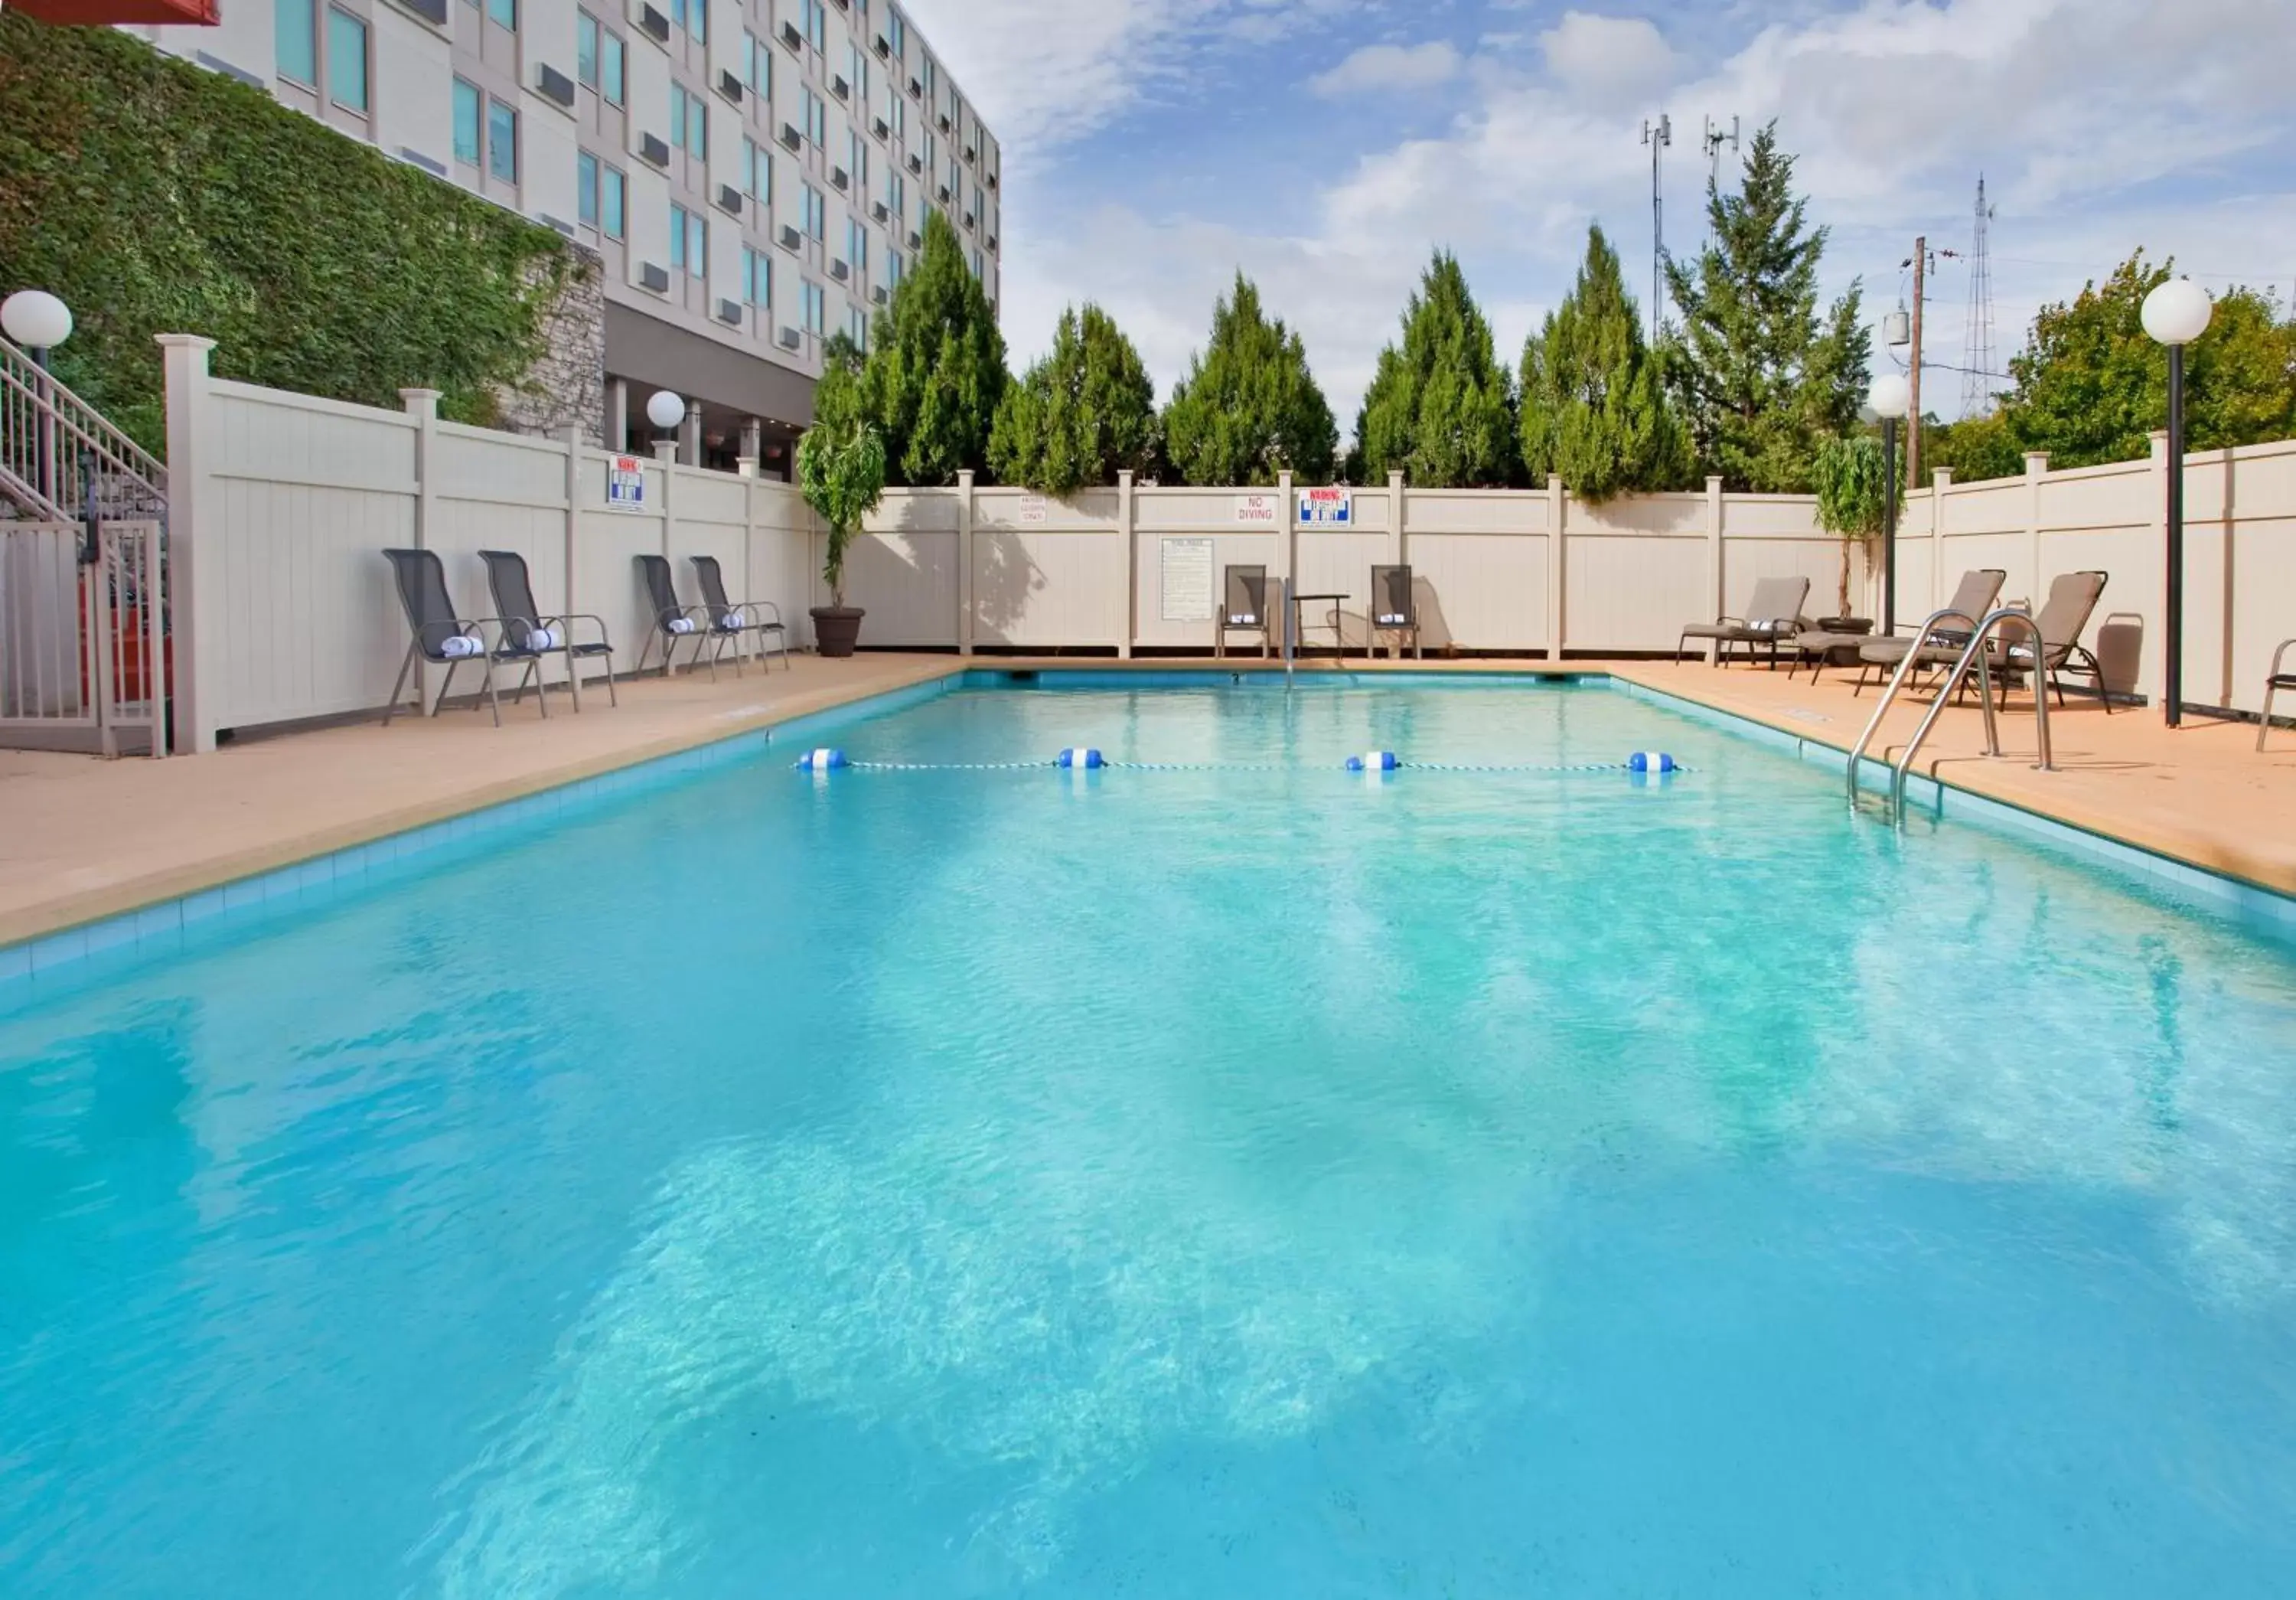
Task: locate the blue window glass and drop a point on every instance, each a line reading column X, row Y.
column 505, row 12
column 586, row 48
column 468, row 134
column 345, row 60
column 610, row 203
column 296, row 28
column 697, row 244
column 501, row 141
column 586, row 184
column 611, row 63
column 678, row 238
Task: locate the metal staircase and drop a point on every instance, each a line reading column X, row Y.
column 84, row 636
column 1974, row 653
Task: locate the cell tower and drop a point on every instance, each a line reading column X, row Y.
column 1977, row 383
column 1714, row 140
column 1658, row 135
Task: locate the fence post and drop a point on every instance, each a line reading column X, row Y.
column 1398, row 537
column 1287, row 540
column 1717, row 570
column 964, row 629
column 1941, row 486
column 1558, row 504
column 196, row 606
column 1131, row 564
column 573, row 533
column 2037, row 467
column 422, row 406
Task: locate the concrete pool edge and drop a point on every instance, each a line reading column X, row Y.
column 197, row 892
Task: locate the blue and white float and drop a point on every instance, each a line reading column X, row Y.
column 1375, row 760
column 1651, row 761
column 821, row 760
column 1081, row 759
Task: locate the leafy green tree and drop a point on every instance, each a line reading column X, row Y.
column 840, row 471
column 935, row 373
column 1765, row 377
column 1083, row 414
column 1974, row 449
column 1249, row 408
column 838, row 397
column 2091, row 385
column 1595, row 411
column 1854, row 488
column 1440, row 408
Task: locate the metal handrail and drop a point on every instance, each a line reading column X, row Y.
column 1919, row 643
column 1291, row 640
column 74, row 446
column 1975, row 651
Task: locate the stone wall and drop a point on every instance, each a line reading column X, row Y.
column 567, row 384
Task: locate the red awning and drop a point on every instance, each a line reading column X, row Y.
column 102, row 14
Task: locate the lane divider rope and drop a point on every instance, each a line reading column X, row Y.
column 1459, row 766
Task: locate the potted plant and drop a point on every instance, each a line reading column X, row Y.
column 1852, row 483
column 841, row 469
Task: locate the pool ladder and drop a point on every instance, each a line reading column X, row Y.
column 1291, row 642
column 1973, row 652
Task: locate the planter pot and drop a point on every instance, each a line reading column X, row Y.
column 836, row 628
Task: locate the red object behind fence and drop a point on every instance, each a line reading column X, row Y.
column 101, row 13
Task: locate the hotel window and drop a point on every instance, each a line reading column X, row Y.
column 689, row 122
column 815, row 212
column 816, row 23
column 586, row 48
column 678, row 218
column 856, row 71
column 856, row 245
column 897, row 196
column 613, row 67
column 815, row 113
column 505, row 12
column 897, row 33
column 697, row 244
column 892, row 269
column 613, row 199
column 470, row 112
column 758, row 171
column 757, row 278
column 816, row 308
column 501, row 141
column 760, row 69
column 898, row 117
column 586, row 184
column 856, row 326
column 296, row 27
column 857, row 158
column 346, row 60
column 693, row 16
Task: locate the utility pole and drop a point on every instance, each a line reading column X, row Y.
column 1914, row 411
column 1658, row 136
column 1715, row 139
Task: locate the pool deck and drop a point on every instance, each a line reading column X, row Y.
column 82, row 840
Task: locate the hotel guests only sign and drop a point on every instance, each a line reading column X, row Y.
column 1326, row 508
column 625, row 482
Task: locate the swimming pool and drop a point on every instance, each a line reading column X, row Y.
column 1241, row 1178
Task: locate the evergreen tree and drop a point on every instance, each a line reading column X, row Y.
column 935, row 373
column 2091, row 385
column 1764, row 377
column 1440, row 408
column 1083, row 414
column 1595, row 411
column 1249, row 408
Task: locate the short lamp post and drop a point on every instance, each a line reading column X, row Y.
column 40, row 322
column 665, row 409
column 1891, row 398
column 2176, row 314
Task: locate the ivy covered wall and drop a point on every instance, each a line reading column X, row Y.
column 155, row 196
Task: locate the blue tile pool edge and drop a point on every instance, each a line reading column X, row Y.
column 2252, row 904
column 160, row 927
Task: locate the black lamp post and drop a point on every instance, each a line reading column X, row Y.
column 1890, row 400
column 2176, row 314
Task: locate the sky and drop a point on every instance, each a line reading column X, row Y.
column 1327, row 147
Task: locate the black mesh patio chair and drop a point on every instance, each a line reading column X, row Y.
column 1243, row 609
column 673, row 621
column 2279, row 678
column 527, row 632
column 441, row 636
column 734, row 622
column 1773, row 618
column 1393, row 611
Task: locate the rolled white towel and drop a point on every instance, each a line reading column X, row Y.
column 1393, row 620
column 730, row 622
column 679, row 625
column 543, row 638
column 1243, row 619
column 457, row 647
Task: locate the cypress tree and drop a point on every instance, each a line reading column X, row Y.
column 935, row 373
column 1596, row 411
column 1081, row 415
column 1764, row 377
column 1249, row 408
column 1440, row 408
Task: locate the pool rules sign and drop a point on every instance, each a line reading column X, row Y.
column 625, row 482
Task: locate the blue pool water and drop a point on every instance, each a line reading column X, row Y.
column 1201, row 1183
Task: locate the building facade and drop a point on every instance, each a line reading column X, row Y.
column 754, row 173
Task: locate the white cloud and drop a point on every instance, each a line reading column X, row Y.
column 1389, row 69
column 1598, row 56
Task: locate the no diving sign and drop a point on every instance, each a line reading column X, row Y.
column 1256, row 511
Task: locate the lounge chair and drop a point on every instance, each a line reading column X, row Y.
column 728, row 621
column 1773, row 618
column 2279, row 679
column 1245, row 609
column 674, row 622
column 442, row 635
column 527, row 632
column 1393, row 611
column 1974, row 596
column 2072, row 600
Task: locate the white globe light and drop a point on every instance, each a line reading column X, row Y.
column 2178, row 312
column 665, row 410
column 1891, row 397
column 35, row 319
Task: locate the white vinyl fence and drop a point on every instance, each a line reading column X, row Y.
column 280, row 504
